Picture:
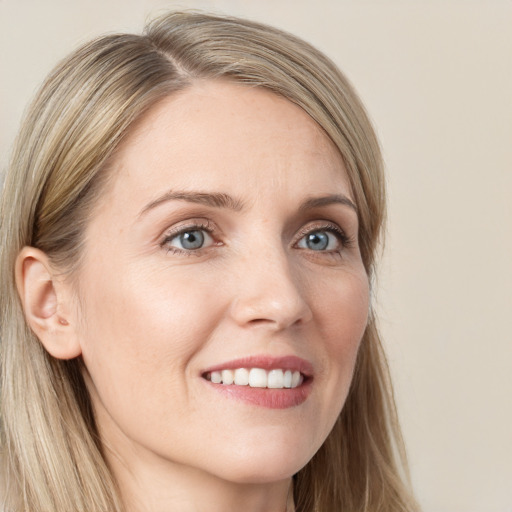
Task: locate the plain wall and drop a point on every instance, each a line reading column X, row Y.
column 436, row 77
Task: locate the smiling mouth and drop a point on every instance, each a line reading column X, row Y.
column 263, row 381
column 257, row 378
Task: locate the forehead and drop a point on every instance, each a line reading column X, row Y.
column 226, row 137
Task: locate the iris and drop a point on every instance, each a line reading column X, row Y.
column 317, row 241
column 192, row 239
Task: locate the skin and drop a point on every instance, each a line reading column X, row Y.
column 152, row 316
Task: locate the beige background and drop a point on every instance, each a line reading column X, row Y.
column 436, row 77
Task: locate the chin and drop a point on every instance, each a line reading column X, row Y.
column 258, row 474
column 264, row 463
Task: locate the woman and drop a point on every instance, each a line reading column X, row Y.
column 189, row 229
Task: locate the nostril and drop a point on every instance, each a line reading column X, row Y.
column 277, row 303
column 257, row 321
column 276, row 323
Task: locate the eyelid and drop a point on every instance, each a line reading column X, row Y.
column 189, row 225
column 210, row 228
column 345, row 240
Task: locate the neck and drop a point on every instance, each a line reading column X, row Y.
column 156, row 485
column 189, row 490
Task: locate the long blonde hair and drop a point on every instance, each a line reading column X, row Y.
column 52, row 456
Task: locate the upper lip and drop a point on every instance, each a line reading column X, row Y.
column 265, row 362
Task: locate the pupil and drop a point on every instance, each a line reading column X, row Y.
column 192, row 240
column 317, row 241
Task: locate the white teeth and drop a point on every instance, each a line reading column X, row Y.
column 287, row 379
column 241, row 377
column 296, row 379
column 275, row 379
column 227, row 377
column 257, row 378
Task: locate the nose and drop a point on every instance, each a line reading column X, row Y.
column 269, row 293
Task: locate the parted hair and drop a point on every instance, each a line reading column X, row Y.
column 51, row 453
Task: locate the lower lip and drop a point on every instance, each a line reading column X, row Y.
column 266, row 397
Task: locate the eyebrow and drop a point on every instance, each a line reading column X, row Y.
column 318, row 202
column 213, row 199
column 221, row 200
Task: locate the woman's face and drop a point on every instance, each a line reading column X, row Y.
column 227, row 240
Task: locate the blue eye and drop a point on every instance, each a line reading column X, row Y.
column 190, row 240
column 320, row 240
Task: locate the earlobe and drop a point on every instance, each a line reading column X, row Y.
column 46, row 302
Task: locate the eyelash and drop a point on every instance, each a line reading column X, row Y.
column 196, row 226
column 346, row 242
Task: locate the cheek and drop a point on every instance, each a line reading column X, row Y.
column 343, row 308
column 141, row 333
column 342, row 313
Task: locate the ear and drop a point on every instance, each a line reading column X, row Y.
column 46, row 301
